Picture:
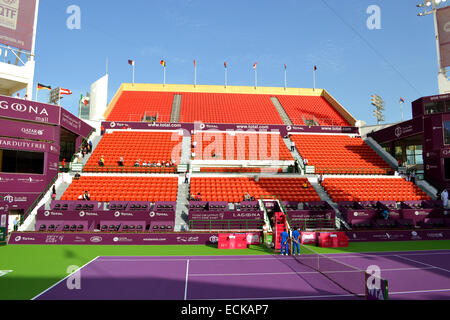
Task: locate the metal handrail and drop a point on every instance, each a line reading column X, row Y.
column 117, row 169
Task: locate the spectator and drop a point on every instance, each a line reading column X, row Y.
column 186, row 177
column 305, row 185
column 63, row 164
column 121, row 161
column 192, row 197
column 413, row 177
column 90, row 146
column 265, row 232
column 53, row 192
column 158, row 164
column 144, row 164
column 305, row 162
column 101, row 162
column 77, row 176
column 16, row 224
column 444, row 197
column 296, row 167
column 199, row 197
column 247, row 197
column 385, row 214
column 86, row 196
column 137, row 163
column 292, row 146
column 320, row 179
column 167, row 164
column 102, row 130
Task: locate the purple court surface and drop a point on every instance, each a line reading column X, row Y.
column 421, row 275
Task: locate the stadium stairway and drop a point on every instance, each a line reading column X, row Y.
column 95, row 141
column 176, row 108
column 284, row 116
column 325, row 197
column 181, row 215
column 382, row 153
column 295, row 154
column 185, row 154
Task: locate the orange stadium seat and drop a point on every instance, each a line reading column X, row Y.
column 391, row 189
column 132, row 105
column 335, row 154
column 240, row 147
column 300, row 108
column 105, row 189
column 234, row 189
column 228, row 108
column 146, row 146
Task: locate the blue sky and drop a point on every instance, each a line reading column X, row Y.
column 399, row 62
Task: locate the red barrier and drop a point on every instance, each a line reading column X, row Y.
column 308, row 238
column 333, row 240
column 233, row 241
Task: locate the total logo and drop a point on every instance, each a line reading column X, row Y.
column 152, row 214
column 112, row 124
column 115, row 239
column 288, row 128
column 446, row 152
column 214, row 239
column 356, row 214
column 96, row 239
column 18, row 238
column 46, row 213
column 202, row 126
column 82, row 213
column 117, row 214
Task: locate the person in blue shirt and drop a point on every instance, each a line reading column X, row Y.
column 296, row 242
column 284, row 243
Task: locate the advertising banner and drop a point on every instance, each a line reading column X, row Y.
column 400, row 235
column 443, row 21
column 74, row 124
column 35, row 238
column 309, row 214
column 17, row 23
column 226, row 215
column 26, row 130
column 28, row 110
column 27, row 145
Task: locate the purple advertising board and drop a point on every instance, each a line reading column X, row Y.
column 36, row 238
column 398, row 235
column 19, row 200
column 309, row 214
column 27, row 145
column 29, row 110
column 27, row 130
column 190, row 127
column 74, row 124
column 17, row 23
column 96, row 215
column 399, row 131
column 225, row 215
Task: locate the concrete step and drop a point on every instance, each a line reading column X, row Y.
column 181, row 215
column 287, row 121
column 295, row 154
column 176, row 109
column 325, row 197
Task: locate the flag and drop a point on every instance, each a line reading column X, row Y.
column 225, row 65
column 285, row 67
column 315, row 68
column 163, row 63
column 84, row 100
column 195, row 63
column 131, row 62
column 402, row 100
column 43, row 87
column 254, row 66
column 65, row 92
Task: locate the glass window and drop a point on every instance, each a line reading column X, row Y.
column 14, row 161
column 434, row 107
column 446, row 132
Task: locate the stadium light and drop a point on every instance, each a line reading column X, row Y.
column 431, row 7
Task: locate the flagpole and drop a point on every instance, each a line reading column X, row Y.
column 36, row 93
column 133, row 73
column 256, row 77
column 195, row 76
column 314, row 79
column 164, row 78
column 285, row 78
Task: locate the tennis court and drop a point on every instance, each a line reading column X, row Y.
column 411, row 275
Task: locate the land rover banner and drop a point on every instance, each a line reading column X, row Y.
column 17, row 23
column 443, row 18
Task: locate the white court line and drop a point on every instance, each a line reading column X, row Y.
column 294, row 273
column 419, row 291
column 425, row 264
column 40, row 294
column 186, row 285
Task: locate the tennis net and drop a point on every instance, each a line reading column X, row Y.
column 347, row 277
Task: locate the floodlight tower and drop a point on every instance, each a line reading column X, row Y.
column 431, row 7
column 378, row 103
